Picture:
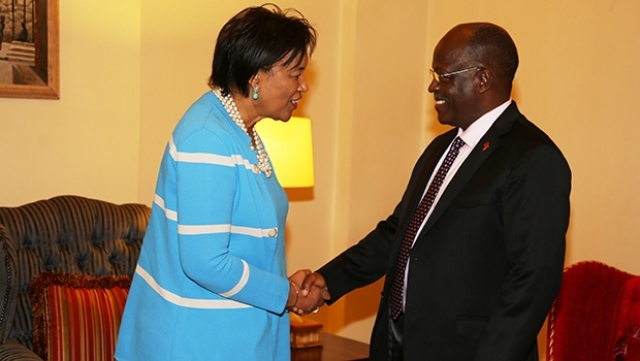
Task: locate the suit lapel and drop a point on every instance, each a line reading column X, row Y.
column 428, row 169
column 417, row 188
column 489, row 143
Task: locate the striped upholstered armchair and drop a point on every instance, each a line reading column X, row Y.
column 65, row 249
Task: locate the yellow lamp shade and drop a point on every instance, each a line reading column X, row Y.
column 290, row 149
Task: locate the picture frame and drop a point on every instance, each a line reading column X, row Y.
column 39, row 77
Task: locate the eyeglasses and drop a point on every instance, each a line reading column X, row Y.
column 438, row 77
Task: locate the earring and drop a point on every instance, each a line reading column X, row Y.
column 255, row 92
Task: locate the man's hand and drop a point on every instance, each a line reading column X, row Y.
column 311, row 280
column 311, row 291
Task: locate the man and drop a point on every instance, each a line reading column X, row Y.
column 486, row 262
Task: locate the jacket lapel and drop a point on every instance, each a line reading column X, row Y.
column 417, row 188
column 427, row 170
column 489, row 143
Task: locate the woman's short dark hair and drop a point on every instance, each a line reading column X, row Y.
column 256, row 39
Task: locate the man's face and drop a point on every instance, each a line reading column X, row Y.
column 456, row 97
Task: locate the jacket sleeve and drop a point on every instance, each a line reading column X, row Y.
column 371, row 258
column 363, row 263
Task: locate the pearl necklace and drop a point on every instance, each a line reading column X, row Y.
column 256, row 144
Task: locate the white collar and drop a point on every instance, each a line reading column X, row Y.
column 479, row 128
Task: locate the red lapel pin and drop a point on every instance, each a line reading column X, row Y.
column 485, row 146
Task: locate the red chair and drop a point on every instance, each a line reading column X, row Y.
column 596, row 316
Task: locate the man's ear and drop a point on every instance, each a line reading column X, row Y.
column 485, row 79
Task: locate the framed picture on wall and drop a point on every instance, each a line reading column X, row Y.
column 29, row 49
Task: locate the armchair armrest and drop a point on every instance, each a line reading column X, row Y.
column 12, row 350
column 8, row 284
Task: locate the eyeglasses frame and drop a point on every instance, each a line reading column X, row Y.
column 438, row 77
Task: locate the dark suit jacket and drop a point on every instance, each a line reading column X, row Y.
column 487, row 265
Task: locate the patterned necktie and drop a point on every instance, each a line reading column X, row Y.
column 397, row 288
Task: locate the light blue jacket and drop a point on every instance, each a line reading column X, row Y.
column 211, row 279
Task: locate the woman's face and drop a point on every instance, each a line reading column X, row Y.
column 280, row 89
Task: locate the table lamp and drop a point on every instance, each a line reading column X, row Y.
column 290, row 149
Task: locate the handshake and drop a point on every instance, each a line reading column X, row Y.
column 307, row 292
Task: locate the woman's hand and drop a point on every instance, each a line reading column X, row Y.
column 310, row 292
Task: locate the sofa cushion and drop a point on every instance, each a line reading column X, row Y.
column 77, row 317
column 8, row 283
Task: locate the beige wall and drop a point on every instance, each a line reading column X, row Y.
column 87, row 142
column 129, row 69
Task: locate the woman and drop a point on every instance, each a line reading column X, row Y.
column 211, row 279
